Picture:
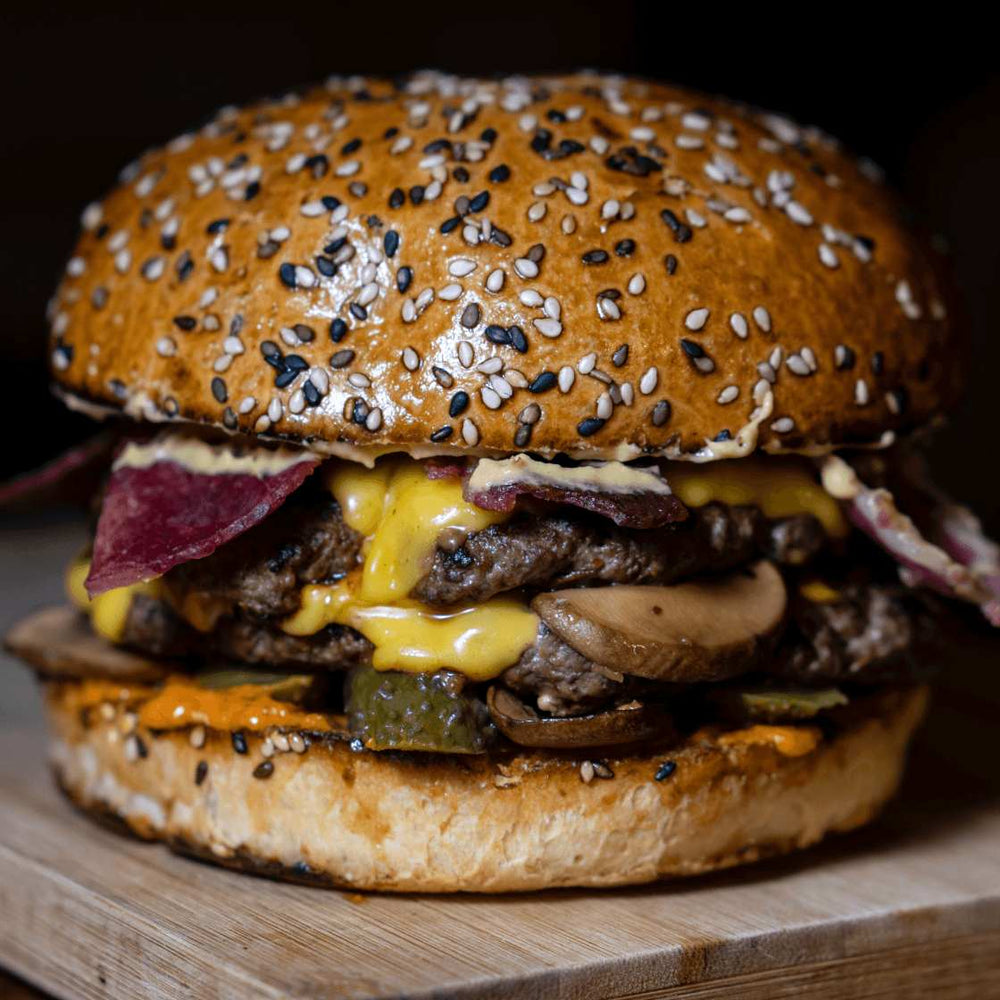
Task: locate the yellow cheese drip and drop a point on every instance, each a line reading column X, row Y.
column 780, row 487
column 819, row 592
column 108, row 611
column 789, row 741
column 402, row 513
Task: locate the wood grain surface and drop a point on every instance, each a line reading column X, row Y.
column 908, row 908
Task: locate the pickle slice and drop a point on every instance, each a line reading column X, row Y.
column 785, row 705
column 391, row 710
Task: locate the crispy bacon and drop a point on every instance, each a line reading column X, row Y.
column 964, row 563
column 160, row 513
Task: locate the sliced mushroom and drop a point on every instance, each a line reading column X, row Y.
column 626, row 724
column 703, row 630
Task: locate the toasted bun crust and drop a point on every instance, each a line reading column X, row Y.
column 416, row 823
column 779, row 265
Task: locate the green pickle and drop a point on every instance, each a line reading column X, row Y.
column 767, row 705
column 391, row 710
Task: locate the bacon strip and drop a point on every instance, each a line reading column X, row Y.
column 158, row 512
column 965, row 565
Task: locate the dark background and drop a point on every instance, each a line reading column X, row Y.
column 88, row 87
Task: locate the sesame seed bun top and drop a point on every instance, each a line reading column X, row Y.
column 591, row 265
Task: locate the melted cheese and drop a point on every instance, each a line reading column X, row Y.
column 819, row 592
column 779, row 487
column 790, row 741
column 108, row 611
column 402, row 513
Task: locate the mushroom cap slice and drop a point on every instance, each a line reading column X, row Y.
column 626, row 724
column 702, row 630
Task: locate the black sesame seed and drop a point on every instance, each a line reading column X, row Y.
column 543, row 382
column 460, row 174
column 555, row 115
column 325, row 266
column 200, row 772
column 338, row 329
column 470, row 315
column 417, row 194
column 185, row 323
column 140, row 747
column 724, row 435
column 296, row 363
column 330, row 202
column 625, row 248
column 217, row 226
column 359, row 411
column 661, row 413
column 264, row 769
column 270, row 349
column 536, row 253
column 342, row 358
column 878, row 363
column 219, row 390
column 391, row 132
column 391, row 243
column 442, row 434
column 459, row 404
column 236, row 325
column 666, row 769
column 437, row 145
column 500, row 173
column 517, row 339
column 311, row 393
column 671, row 263
column 541, row 140
column 590, row 425
column 403, row 278
column 522, row 436
column 497, row 334
column 450, row 224
column 306, row 334
column 682, row 233
column 284, row 379
column 479, row 202
column 335, row 245
column 358, row 311
column 692, row 349
column 442, row 376
column 239, row 742
column 287, row 274
column 847, row 359
column 318, row 165
column 489, row 135
column 396, row 198
column 253, row 189
column 229, row 419
column 595, row 257
column 275, row 361
column 350, row 147
column 500, row 237
column 620, row 356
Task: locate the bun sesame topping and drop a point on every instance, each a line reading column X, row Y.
column 592, row 265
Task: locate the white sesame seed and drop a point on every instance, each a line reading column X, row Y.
column 610, row 208
column 762, row 318
column 247, row 403
column 782, row 425
column 304, row 276
column 798, row 213
column 166, row 347
column 649, row 380
column 737, row 215
column 450, row 292
column 466, row 354
column 469, row 432
column 797, row 366
column 275, row 410
column 374, row 419
column 359, row 380
column 566, row 378
column 696, row 319
column 695, row 219
column 262, row 423
column 827, row 256
column 536, row 211
column 861, row 395
column 587, row 363
column 531, row 298
column 608, row 309
column 490, row 366
column 524, row 268
column 491, row 399
column 297, row 401
column 501, row 386
column 411, row 360
column 348, row 169
column 568, row 224
column 495, row 279
column 461, row 266
column 222, row 363
column 548, row 327
column 551, row 307
column 408, row 311
column 728, row 395
column 636, row 284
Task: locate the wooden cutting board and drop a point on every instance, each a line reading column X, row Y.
column 908, row 908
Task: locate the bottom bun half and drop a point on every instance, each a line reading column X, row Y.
column 423, row 823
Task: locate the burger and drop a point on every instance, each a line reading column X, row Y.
column 515, row 484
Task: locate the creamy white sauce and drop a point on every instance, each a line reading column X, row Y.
column 199, row 456
column 600, row 477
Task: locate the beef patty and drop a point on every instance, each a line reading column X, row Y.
column 306, row 541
